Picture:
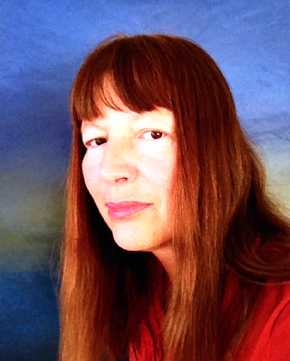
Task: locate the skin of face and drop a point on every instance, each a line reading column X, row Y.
column 132, row 157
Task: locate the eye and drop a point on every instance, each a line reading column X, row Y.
column 153, row 135
column 94, row 143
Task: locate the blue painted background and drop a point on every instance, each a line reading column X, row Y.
column 42, row 45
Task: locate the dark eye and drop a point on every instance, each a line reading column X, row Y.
column 99, row 141
column 94, row 143
column 156, row 135
column 153, row 134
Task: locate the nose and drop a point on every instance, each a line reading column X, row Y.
column 117, row 165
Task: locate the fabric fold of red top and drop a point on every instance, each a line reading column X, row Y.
column 267, row 338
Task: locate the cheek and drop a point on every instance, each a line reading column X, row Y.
column 165, row 167
column 90, row 171
column 169, row 172
column 162, row 173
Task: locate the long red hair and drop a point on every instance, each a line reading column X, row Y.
column 220, row 209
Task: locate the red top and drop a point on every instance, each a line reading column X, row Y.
column 268, row 338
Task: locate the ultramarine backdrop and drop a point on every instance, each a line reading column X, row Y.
column 42, row 45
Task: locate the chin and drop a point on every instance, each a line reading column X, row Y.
column 135, row 246
column 138, row 236
column 134, row 242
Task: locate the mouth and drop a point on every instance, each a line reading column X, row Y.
column 123, row 210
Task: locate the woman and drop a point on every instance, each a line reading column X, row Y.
column 173, row 250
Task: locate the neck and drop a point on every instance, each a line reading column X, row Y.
column 166, row 256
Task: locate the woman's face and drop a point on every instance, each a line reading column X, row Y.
column 129, row 169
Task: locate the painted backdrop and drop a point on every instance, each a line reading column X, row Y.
column 42, row 44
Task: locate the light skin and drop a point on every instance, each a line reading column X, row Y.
column 132, row 157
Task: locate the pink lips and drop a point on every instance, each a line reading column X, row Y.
column 123, row 210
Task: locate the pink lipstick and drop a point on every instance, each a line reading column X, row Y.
column 124, row 210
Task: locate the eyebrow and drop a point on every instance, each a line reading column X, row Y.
column 86, row 123
column 95, row 123
column 137, row 116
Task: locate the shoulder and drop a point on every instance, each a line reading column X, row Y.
column 268, row 337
